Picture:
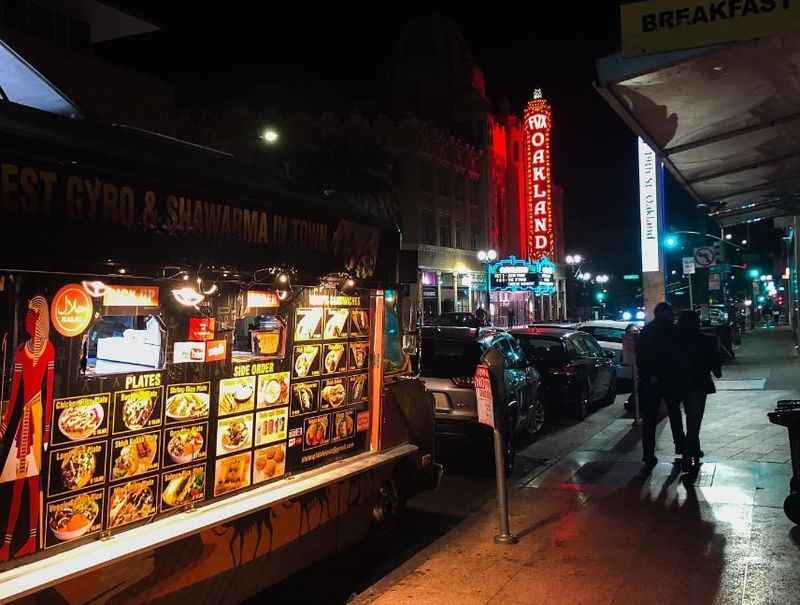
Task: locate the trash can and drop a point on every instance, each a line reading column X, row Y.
column 787, row 413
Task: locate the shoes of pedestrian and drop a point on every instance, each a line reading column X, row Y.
column 648, row 466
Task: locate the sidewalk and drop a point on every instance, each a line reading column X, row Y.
column 591, row 532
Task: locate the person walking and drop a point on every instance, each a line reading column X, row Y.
column 699, row 358
column 659, row 378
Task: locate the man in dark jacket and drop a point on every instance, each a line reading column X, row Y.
column 700, row 358
column 659, row 378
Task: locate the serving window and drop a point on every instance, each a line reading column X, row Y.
column 260, row 336
column 118, row 344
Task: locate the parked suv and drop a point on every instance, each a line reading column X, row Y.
column 448, row 360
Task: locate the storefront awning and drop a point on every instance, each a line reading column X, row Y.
column 21, row 83
column 725, row 119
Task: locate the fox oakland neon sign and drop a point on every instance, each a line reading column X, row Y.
column 538, row 186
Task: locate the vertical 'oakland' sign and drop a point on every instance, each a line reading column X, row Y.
column 539, row 190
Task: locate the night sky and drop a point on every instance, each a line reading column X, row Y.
column 335, row 58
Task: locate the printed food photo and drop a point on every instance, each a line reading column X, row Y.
column 306, row 361
column 186, row 444
column 72, row 518
column 236, row 395
column 308, row 324
column 336, row 323
column 270, row 463
column 187, row 406
column 184, row 486
column 232, row 473
column 304, row 398
column 131, row 502
column 273, row 389
column 234, row 434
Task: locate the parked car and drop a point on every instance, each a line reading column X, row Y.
column 460, row 319
column 554, row 324
column 448, row 358
column 576, row 372
column 609, row 334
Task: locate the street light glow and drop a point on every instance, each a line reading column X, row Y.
column 491, row 255
column 728, row 236
column 270, row 136
column 482, row 255
column 602, row 279
column 744, row 242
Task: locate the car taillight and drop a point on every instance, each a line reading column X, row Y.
column 464, row 382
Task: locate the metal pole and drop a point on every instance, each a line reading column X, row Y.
column 505, row 536
column 691, row 297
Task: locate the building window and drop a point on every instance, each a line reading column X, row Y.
column 460, row 235
column 475, row 234
column 445, row 232
column 426, row 176
column 445, row 182
column 428, row 235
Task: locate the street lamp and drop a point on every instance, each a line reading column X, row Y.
column 602, row 279
column 270, row 136
column 486, row 257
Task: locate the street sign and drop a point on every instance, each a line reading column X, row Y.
column 705, row 257
column 631, row 277
column 688, row 265
column 483, row 395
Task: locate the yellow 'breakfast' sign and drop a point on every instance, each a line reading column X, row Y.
column 666, row 25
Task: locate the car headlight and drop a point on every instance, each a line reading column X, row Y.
column 627, row 316
column 640, row 315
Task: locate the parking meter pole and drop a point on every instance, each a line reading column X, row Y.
column 691, row 295
column 637, row 420
column 505, row 536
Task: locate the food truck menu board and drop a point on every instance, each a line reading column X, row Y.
column 329, row 386
column 149, row 443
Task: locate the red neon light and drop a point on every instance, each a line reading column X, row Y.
column 538, row 186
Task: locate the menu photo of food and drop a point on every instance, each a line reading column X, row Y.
column 80, row 418
column 187, row 402
column 232, row 473
column 336, row 323
column 305, row 398
column 333, row 393
column 234, row 434
column 185, row 444
column 359, row 323
column 236, row 395
column 306, row 361
column 271, row 426
column 334, row 358
column 76, row 467
column 134, row 455
column 344, row 425
column 359, row 355
column 74, row 517
column 308, row 324
column 269, row 463
column 358, row 388
column 273, row 389
column 182, row 487
column 132, row 501
column 317, row 432
column 137, row 409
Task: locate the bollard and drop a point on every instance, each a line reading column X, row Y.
column 505, row 536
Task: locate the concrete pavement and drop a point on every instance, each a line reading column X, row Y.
column 592, row 532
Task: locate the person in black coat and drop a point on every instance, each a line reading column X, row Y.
column 659, row 378
column 699, row 358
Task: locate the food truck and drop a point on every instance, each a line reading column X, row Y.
column 203, row 387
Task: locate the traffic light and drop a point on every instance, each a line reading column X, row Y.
column 671, row 241
column 754, row 273
column 600, row 296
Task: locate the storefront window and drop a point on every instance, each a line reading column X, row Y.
column 261, row 336
column 124, row 343
column 394, row 357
